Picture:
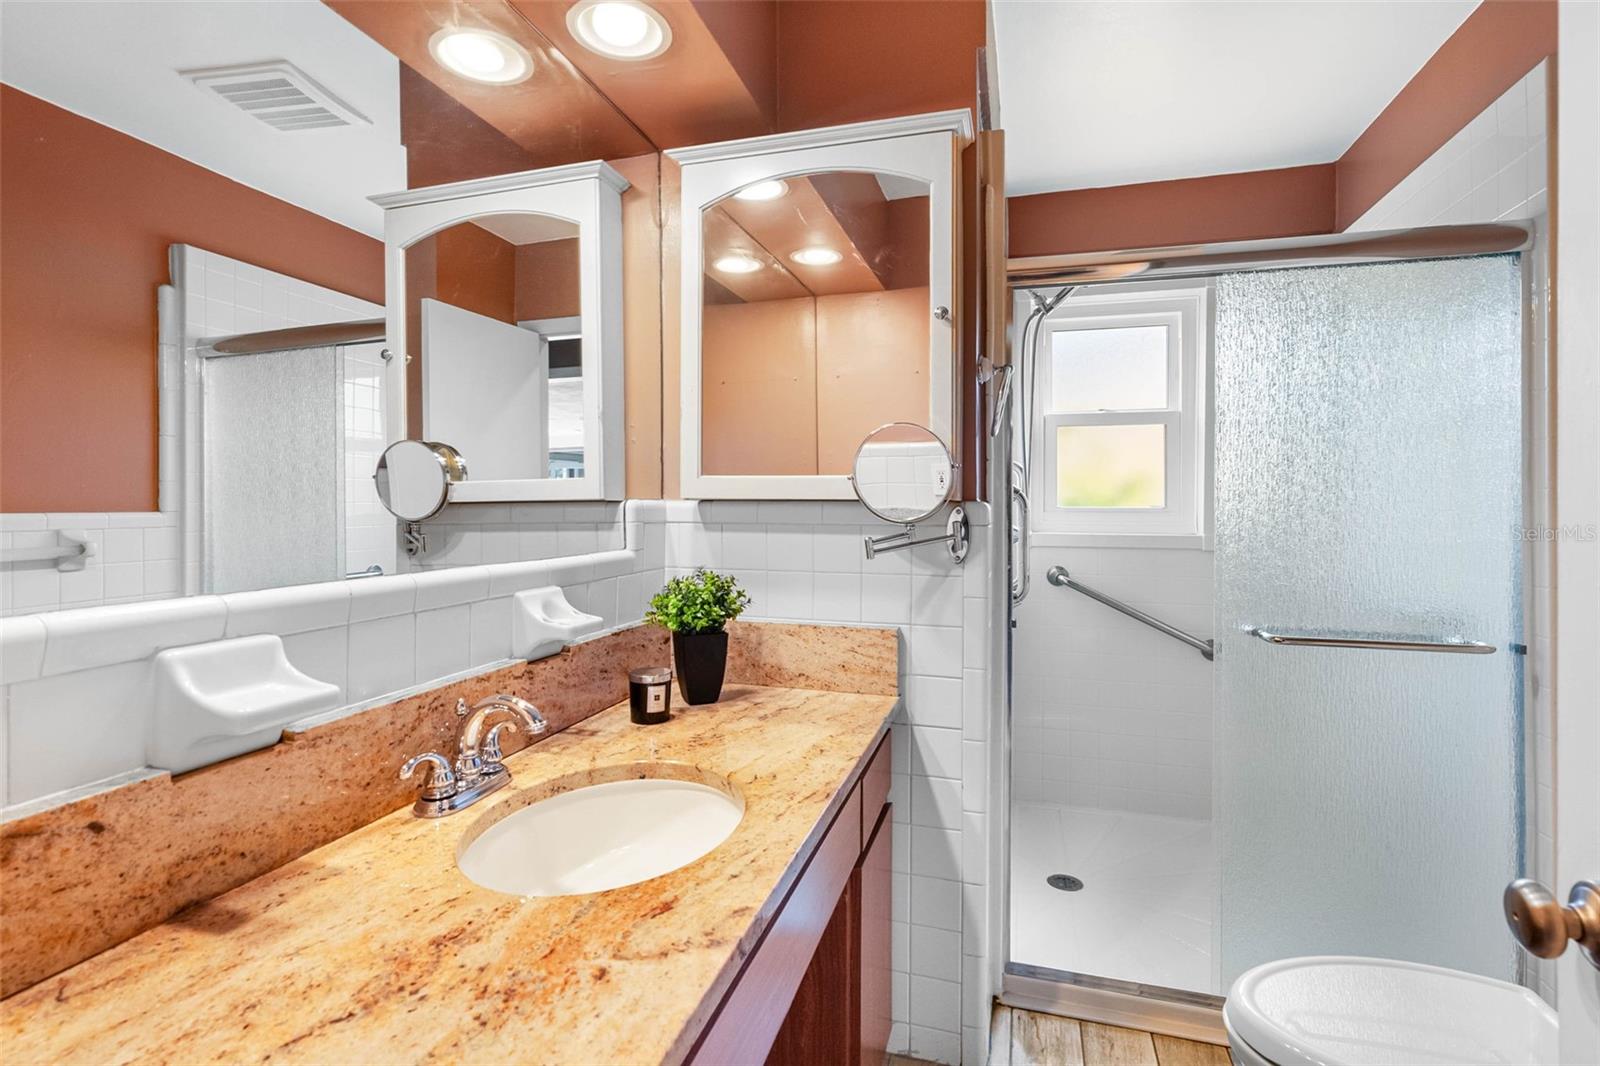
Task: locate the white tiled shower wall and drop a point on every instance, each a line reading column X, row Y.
column 376, row 637
column 1496, row 169
column 1107, row 712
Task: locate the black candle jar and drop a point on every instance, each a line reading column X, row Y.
column 650, row 695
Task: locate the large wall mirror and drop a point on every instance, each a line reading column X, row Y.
column 817, row 303
column 202, row 365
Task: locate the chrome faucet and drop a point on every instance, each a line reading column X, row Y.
column 479, row 768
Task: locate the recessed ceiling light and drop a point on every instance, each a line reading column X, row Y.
column 620, row 29
column 481, row 55
column 816, row 257
column 737, row 264
column 762, row 190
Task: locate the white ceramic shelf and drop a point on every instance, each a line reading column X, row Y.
column 227, row 697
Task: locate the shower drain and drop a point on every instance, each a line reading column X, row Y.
column 1065, row 882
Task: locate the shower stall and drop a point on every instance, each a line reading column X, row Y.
column 1265, row 685
column 291, row 426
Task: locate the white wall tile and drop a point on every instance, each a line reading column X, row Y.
column 491, row 630
column 382, row 656
column 105, row 735
column 21, row 649
column 444, row 642
column 102, row 636
column 321, row 653
column 294, row 609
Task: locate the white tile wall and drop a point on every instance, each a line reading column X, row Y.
column 372, row 638
column 805, row 561
column 1107, row 712
column 466, row 534
column 135, row 557
column 1495, row 168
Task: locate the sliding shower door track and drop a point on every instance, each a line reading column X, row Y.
column 1153, row 1008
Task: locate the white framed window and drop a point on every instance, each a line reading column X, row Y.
column 1120, row 447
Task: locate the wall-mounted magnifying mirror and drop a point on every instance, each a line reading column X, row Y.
column 903, row 473
column 413, row 480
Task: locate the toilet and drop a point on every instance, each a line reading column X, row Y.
column 1333, row 1010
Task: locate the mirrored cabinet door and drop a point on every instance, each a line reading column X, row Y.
column 817, row 303
column 505, row 297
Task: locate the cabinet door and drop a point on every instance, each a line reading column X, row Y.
column 821, row 1025
column 873, row 881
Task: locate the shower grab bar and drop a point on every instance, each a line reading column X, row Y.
column 1057, row 575
column 1311, row 640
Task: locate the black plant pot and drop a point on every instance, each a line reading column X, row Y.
column 700, row 660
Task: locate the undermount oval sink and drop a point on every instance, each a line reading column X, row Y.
column 600, row 837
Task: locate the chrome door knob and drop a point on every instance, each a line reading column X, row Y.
column 1543, row 926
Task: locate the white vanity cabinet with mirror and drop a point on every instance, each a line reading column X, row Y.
column 505, row 294
column 818, row 301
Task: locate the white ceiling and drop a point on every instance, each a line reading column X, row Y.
column 116, row 63
column 1110, row 92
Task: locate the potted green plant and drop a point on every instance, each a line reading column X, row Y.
column 696, row 610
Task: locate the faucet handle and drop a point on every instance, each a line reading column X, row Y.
column 441, row 783
column 492, row 757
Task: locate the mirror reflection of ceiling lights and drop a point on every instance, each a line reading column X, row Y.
column 816, row 257
column 481, row 55
column 737, row 264
column 762, row 190
column 619, row 29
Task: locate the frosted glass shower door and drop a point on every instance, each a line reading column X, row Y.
column 272, row 477
column 1369, row 484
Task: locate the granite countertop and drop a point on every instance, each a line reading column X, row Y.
column 375, row 948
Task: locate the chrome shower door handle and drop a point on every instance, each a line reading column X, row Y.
column 1313, row 640
column 1543, row 926
column 1021, row 568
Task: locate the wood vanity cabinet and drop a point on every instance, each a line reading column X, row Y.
column 817, row 988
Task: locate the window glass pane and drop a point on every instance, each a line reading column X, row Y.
column 1111, row 466
column 1116, row 369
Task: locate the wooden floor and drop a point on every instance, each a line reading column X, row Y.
column 1026, row 1038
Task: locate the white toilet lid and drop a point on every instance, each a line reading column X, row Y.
column 1335, row 1010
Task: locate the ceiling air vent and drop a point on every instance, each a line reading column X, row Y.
column 278, row 93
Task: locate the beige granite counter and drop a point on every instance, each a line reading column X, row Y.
column 374, row 948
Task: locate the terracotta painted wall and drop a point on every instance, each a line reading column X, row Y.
column 1227, row 207
column 854, row 60
column 792, row 386
column 642, row 336
column 759, row 388
column 872, row 368
column 547, row 280
column 86, row 217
